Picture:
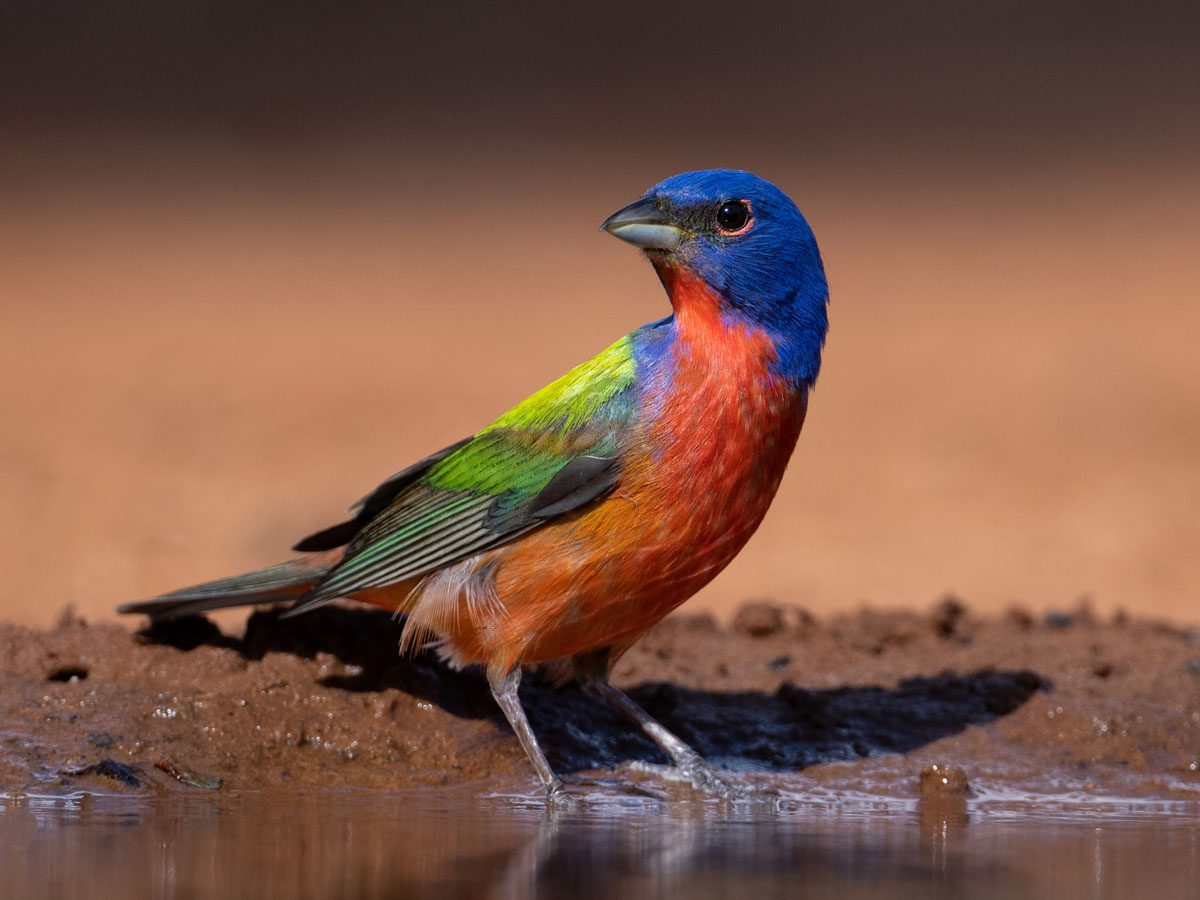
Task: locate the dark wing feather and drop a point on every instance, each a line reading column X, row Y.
column 582, row 480
column 374, row 503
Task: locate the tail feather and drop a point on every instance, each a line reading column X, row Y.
column 286, row 581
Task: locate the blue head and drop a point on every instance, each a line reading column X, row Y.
column 746, row 240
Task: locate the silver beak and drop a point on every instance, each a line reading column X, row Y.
column 644, row 225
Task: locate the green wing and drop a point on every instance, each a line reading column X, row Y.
column 553, row 453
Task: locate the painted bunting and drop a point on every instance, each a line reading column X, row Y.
column 559, row 534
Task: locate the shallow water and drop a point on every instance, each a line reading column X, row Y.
column 449, row 844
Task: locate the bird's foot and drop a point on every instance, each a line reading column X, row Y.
column 697, row 773
column 557, row 796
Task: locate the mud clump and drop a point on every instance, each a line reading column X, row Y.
column 950, row 618
column 942, row 780
column 760, row 619
column 859, row 701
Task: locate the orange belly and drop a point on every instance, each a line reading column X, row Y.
column 606, row 578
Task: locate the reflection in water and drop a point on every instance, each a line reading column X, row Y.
column 448, row 845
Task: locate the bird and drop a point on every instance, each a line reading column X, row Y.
column 558, row 535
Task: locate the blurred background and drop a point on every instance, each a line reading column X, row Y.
column 256, row 257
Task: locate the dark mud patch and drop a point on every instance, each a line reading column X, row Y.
column 862, row 702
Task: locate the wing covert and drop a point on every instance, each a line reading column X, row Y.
column 553, row 454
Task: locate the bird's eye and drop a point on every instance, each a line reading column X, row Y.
column 733, row 216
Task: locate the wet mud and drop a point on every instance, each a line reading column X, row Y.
column 874, row 703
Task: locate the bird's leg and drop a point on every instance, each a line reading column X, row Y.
column 689, row 765
column 504, row 689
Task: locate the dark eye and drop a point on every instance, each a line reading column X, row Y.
column 733, row 216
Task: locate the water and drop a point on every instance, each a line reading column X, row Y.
column 449, row 844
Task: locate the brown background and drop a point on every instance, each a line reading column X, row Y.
column 251, row 262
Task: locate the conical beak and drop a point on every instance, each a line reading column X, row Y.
column 644, row 225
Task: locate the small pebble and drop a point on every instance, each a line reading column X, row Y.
column 948, row 616
column 758, row 620
column 1058, row 620
column 1021, row 618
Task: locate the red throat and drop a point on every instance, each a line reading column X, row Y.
column 691, row 297
column 743, row 353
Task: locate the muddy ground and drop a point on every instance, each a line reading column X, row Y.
column 860, row 702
